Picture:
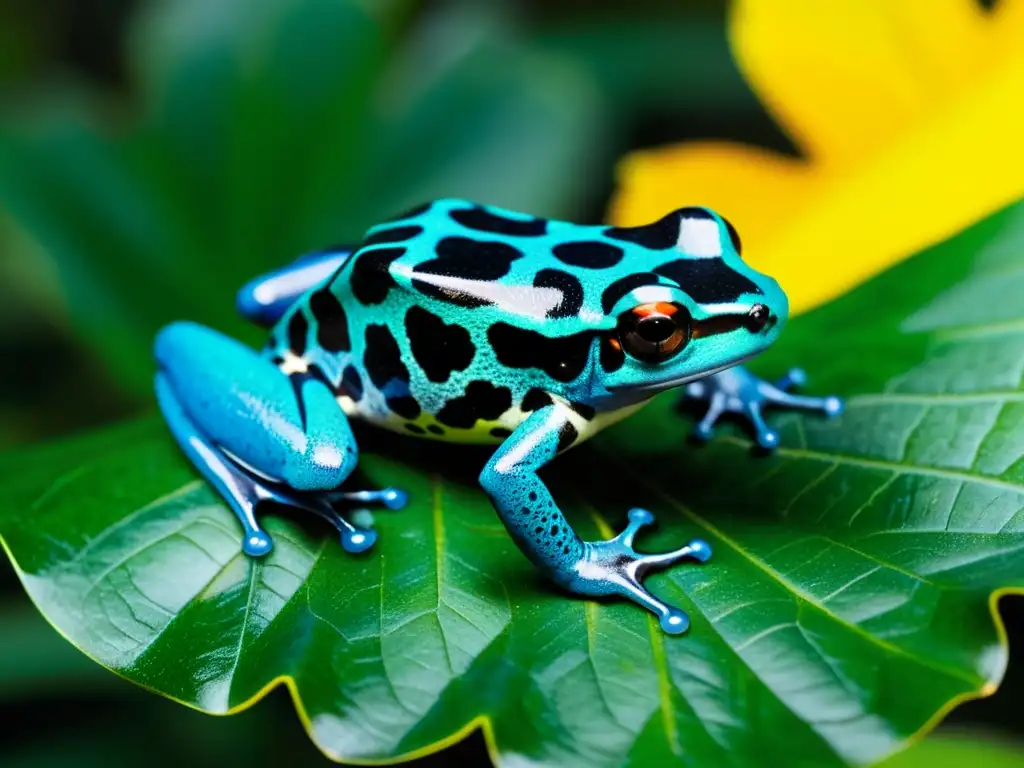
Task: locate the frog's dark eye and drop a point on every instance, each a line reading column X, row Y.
column 652, row 333
column 734, row 236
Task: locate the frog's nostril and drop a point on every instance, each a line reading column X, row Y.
column 758, row 317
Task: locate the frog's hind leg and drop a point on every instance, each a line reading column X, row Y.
column 258, row 435
column 265, row 299
column 738, row 391
column 242, row 490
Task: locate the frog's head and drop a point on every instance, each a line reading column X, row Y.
column 688, row 309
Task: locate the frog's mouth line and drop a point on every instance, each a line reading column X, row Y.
column 655, row 386
column 713, row 326
column 700, row 329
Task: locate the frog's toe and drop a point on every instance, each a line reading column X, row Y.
column 356, row 540
column 737, row 391
column 615, row 567
column 702, row 431
column 700, row 550
column 353, row 539
column 795, row 377
column 674, row 621
column 696, row 390
column 257, row 544
column 394, row 498
column 638, row 518
column 832, row 405
column 765, row 436
column 717, row 405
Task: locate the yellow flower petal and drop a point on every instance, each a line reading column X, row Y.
column 753, row 188
column 846, row 75
column 930, row 184
column 909, row 113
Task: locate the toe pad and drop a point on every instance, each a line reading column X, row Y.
column 833, row 406
column 257, row 545
column 359, row 540
column 701, row 550
column 394, row 498
column 674, row 622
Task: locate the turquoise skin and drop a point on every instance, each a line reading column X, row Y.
column 471, row 324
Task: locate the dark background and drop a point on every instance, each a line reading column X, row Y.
column 665, row 76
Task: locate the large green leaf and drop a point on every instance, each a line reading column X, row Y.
column 848, row 601
column 263, row 130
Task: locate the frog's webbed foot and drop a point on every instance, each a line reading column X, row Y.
column 738, row 391
column 244, row 488
column 353, row 539
column 614, row 567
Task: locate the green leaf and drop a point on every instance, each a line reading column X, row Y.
column 848, row 602
column 264, row 130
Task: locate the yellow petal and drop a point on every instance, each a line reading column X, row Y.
column 753, row 188
column 844, row 76
column 929, row 185
column 1005, row 29
column 911, row 114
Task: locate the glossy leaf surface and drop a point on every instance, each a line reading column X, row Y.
column 847, row 603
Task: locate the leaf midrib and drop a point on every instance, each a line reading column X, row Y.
column 665, row 682
column 437, row 519
column 667, row 708
column 254, row 567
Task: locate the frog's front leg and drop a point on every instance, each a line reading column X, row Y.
column 257, row 434
column 541, row 531
column 736, row 390
column 265, row 299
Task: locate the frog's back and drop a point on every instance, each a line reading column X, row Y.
column 456, row 320
column 455, row 256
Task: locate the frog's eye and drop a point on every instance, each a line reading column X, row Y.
column 652, row 333
column 734, row 236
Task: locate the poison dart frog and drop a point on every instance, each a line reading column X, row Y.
column 467, row 323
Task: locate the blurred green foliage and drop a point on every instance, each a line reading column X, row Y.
column 251, row 142
column 155, row 154
column 245, row 135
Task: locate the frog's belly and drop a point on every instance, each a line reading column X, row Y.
column 483, row 432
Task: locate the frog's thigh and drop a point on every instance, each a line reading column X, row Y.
column 289, row 430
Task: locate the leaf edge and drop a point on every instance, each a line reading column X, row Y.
column 482, row 722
